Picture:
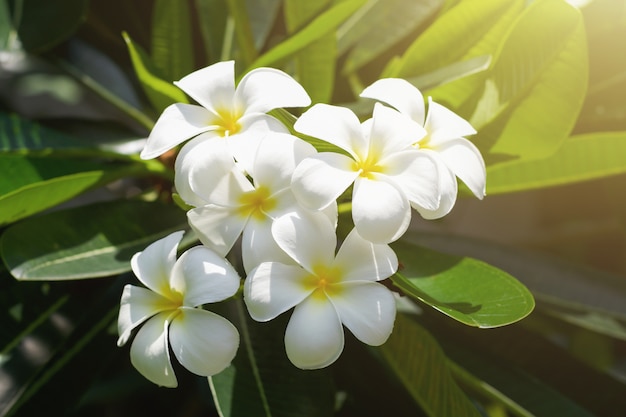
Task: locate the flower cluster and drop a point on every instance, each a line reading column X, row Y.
column 250, row 182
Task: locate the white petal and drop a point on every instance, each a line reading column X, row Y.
column 153, row 266
column 245, row 144
column 176, row 124
column 309, row 239
column 416, row 173
column 362, row 260
column 320, row 179
column 149, row 352
column 443, row 124
column 217, row 227
column 258, row 245
column 391, row 131
column 381, row 212
column 184, row 161
column 314, row 336
column 368, row 309
column 465, row 160
column 273, row 288
column 277, row 158
column 213, row 174
column 336, row 125
column 447, row 190
column 212, row 87
column 264, row 89
column 203, row 342
column 203, row 276
column 398, row 93
column 136, row 306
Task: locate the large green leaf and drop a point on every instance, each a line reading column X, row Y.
column 581, row 295
column 470, row 29
column 537, row 84
column 323, row 24
column 212, row 16
column 418, row 361
column 21, row 135
column 172, row 43
column 580, row 158
column 315, row 64
column 468, row 290
column 261, row 381
column 262, row 15
column 86, row 242
column 44, row 24
column 161, row 93
column 6, row 26
column 379, row 27
column 32, row 185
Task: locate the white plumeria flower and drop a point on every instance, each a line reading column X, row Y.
column 327, row 291
column 228, row 204
column 389, row 175
column 455, row 155
column 225, row 111
column 202, row 341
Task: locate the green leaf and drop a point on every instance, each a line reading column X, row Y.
column 86, row 242
column 537, row 85
column 160, row 93
column 212, row 16
column 576, row 293
column 580, row 158
column 262, row 15
column 379, row 27
column 468, row 290
column 416, row 358
column 44, row 24
column 261, row 381
column 452, row 72
column 35, row 184
column 21, row 135
column 172, row 43
column 323, row 24
column 470, row 29
column 315, row 64
column 6, row 25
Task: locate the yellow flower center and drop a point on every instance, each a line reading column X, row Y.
column 322, row 281
column 256, row 203
column 368, row 167
column 228, row 122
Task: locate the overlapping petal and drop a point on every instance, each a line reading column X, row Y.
column 272, row 288
column 154, row 264
column 417, row 175
column 314, row 337
column 136, row 306
column 465, row 160
column 367, row 309
column 391, row 131
column 203, row 276
column 176, row 124
column 309, row 240
column 336, row 125
column 149, row 352
column 380, row 210
column 447, row 188
column 265, row 89
column 203, row 342
column 362, row 260
column 400, row 94
column 320, row 179
column 217, row 227
column 443, row 124
column 258, row 245
column 213, row 87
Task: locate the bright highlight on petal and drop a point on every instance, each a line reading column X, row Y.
column 203, row 342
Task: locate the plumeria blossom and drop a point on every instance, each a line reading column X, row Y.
column 237, row 114
column 328, row 291
column 455, row 155
column 389, row 175
column 229, row 204
column 202, row 341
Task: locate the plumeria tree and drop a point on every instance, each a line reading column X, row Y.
column 329, row 208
